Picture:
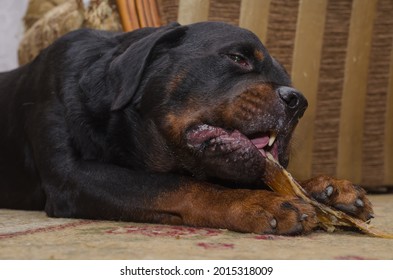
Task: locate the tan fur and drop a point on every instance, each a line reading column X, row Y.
column 205, row 205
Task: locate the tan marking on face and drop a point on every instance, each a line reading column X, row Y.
column 177, row 123
column 174, row 83
column 249, row 103
column 259, row 55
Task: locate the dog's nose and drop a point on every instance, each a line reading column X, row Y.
column 292, row 98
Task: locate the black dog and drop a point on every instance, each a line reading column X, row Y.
column 162, row 125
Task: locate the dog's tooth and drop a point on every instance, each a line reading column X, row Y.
column 270, row 156
column 272, row 138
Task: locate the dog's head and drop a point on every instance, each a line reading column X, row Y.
column 214, row 102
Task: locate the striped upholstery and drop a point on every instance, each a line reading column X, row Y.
column 339, row 53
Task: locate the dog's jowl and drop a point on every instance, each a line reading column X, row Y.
column 163, row 125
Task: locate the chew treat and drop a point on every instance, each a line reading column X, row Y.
column 281, row 181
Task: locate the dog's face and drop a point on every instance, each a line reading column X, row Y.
column 216, row 103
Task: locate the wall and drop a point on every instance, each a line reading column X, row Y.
column 11, row 31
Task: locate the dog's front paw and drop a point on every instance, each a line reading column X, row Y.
column 265, row 212
column 340, row 194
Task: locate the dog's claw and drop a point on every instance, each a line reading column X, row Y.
column 273, row 223
column 329, row 190
column 359, row 203
column 303, row 217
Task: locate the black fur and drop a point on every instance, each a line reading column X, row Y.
column 83, row 126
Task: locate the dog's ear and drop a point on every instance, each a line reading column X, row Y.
column 126, row 71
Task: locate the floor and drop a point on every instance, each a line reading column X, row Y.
column 32, row 235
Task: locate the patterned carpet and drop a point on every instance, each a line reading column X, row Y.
column 32, row 235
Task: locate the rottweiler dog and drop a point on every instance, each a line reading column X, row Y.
column 162, row 125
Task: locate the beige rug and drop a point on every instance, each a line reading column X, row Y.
column 32, row 235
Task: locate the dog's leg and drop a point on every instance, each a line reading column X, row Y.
column 341, row 194
column 100, row 191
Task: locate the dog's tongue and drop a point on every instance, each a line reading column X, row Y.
column 260, row 142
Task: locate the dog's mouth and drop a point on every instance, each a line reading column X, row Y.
column 232, row 144
column 266, row 143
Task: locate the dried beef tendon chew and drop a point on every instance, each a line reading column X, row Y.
column 281, row 181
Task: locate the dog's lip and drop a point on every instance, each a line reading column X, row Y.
column 199, row 136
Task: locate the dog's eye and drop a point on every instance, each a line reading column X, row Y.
column 239, row 59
